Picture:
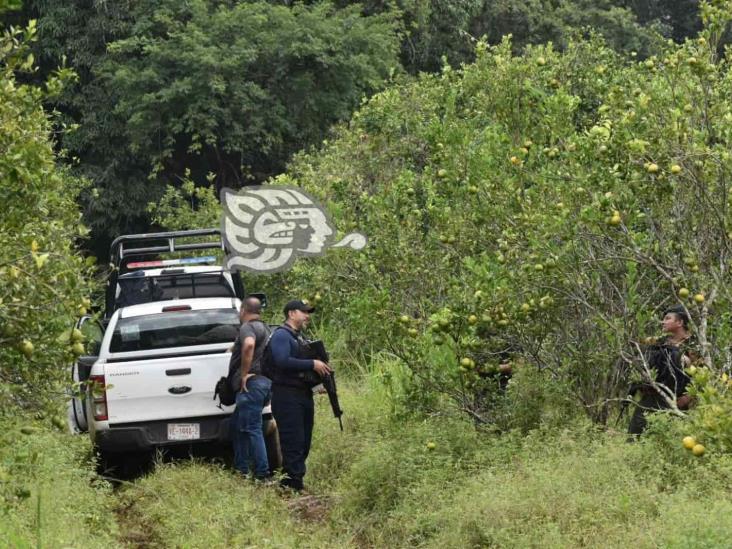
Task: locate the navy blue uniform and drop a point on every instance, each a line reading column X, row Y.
column 292, row 403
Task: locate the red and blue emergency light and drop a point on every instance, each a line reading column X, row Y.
column 171, row 262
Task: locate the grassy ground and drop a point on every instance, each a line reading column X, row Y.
column 380, row 484
column 50, row 495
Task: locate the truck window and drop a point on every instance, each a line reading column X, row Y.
column 175, row 329
column 135, row 288
column 194, row 285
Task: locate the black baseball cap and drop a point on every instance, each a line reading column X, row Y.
column 298, row 305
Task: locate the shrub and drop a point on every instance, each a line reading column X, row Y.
column 546, row 206
column 44, row 281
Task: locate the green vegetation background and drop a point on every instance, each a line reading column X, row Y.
column 234, row 88
column 535, row 209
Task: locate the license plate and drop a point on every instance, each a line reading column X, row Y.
column 184, row 431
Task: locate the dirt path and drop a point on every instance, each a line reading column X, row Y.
column 310, row 508
column 134, row 533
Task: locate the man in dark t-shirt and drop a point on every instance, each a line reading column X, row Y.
column 257, row 330
column 667, row 358
column 253, row 391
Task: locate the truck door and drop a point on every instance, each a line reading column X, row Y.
column 93, row 332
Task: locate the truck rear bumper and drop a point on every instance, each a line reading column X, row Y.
column 130, row 437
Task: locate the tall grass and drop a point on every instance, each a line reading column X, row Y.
column 552, row 487
column 193, row 504
column 389, row 480
column 50, row 495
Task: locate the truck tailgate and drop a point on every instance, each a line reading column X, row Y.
column 164, row 388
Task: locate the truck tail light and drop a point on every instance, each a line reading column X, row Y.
column 172, row 308
column 99, row 398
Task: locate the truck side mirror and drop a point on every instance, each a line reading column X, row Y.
column 261, row 297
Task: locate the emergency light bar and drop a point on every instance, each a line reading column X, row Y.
column 171, row 262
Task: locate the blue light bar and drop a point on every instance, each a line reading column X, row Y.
column 172, row 262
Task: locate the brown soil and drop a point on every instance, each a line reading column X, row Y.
column 309, row 507
column 134, row 533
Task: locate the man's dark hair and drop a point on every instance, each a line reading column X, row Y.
column 680, row 313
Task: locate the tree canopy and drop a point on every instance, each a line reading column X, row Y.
column 537, row 212
column 234, row 88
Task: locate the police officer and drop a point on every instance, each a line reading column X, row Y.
column 292, row 395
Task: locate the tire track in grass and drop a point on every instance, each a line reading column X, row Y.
column 134, row 532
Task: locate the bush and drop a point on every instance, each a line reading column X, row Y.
column 544, row 207
column 538, row 209
column 711, row 417
column 534, row 399
column 44, row 281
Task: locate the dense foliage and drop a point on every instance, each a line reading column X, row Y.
column 534, row 215
column 235, row 87
column 43, row 279
column 537, row 213
column 242, row 84
column 232, row 88
column 529, row 216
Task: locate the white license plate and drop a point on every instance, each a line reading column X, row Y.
column 184, row 431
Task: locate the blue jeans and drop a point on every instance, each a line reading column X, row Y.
column 247, row 435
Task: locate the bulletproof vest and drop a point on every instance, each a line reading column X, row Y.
column 291, row 378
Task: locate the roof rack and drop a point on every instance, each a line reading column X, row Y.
column 125, row 248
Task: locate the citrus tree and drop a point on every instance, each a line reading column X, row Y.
column 529, row 218
column 44, row 281
column 535, row 212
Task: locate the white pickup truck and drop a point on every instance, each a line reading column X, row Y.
column 150, row 377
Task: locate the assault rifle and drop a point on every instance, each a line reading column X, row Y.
column 316, row 350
